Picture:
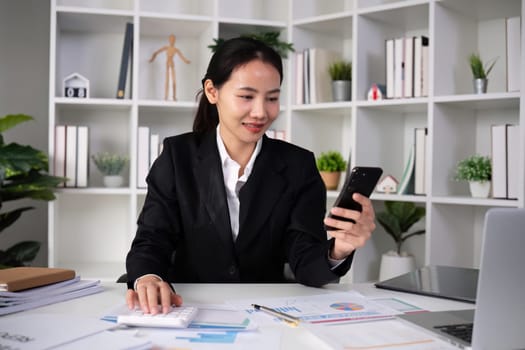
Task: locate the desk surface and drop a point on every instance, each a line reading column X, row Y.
column 292, row 338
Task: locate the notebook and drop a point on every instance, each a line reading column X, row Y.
column 19, row 278
column 498, row 319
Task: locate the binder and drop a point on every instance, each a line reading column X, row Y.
column 20, row 278
column 124, row 62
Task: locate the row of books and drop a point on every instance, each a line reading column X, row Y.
column 414, row 174
column 72, row 154
column 312, row 81
column 505, row 151
column 407, row 67
column 149, row 147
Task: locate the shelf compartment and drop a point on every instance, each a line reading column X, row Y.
column 273, row 10
column 466, row 127
column 312, row 8
column 184, row 7
column 102, row 5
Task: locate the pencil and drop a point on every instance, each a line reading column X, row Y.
column 291, row 320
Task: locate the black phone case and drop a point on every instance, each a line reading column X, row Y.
column 362, row 180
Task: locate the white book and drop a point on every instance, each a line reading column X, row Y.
column 59, row 164
column 299, row 84
column 513, row 160
column 320, row 81
column 398, row 67
column 499, row 160
column 71, row 155
column 513, row 45
column 419, row 43
column 425, row 55
column 419, row 160
column 408, row 79
column 153, row 148
column 389, row 48
column 82, row 156
column 143, row 144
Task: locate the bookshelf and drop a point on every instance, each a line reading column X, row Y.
column 90, row 229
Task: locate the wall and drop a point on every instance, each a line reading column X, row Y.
column 24, row 80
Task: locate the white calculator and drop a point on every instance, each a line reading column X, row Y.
column 177, row 317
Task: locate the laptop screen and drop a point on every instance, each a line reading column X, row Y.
column 448, row 282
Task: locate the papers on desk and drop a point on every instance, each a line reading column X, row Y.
column 320, row 309
column 11, row 302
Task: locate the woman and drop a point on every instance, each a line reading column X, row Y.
column 227, row 204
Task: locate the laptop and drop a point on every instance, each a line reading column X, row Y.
column 498, row 321
column 449, row 282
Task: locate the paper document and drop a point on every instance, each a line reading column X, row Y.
column 43, row 331
column 384, row 334
column 319, row 309
column 11, row 302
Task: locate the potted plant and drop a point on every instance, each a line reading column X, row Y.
column 480, row 72
column 477, row 170
column 341, row 74
column 271, row 38
column 330, row 165
column 23, row 174
column 111, row 166
column 397, row 219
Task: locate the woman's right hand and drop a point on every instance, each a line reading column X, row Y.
column 150, row 293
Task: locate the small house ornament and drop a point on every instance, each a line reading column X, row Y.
column 387, row 185
column 76, row 85
column 376, row 92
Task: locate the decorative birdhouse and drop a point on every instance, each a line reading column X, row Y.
column 76, row 85
column 388, row 184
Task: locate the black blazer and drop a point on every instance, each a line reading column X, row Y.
column 184, row 232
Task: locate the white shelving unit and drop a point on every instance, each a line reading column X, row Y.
column 90, row 229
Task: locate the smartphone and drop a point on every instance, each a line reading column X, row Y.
column 362, row 180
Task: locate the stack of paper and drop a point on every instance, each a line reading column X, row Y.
column 53, row 293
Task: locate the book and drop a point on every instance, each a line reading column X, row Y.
column 406, row 185
column 389, row 48
column 419, row 65
column 299, row 84
column 320, row 81
column 82, row 156
column 153, row 148
column 125, row 59
column 143, row 153
column 499, row 160
column 306, row 76
column 59, row 164
column 71, row 155
column 419, row 160
column 513, row 151
column 19, row 278
column 408, row 78
column 513, row 50
column 425, row 68
column 399, row 44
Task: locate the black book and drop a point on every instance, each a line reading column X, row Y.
column 126, row 58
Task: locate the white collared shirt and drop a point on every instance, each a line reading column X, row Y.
column 232, row 182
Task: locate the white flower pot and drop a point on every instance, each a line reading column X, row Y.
column 393, row 265
column 113, row 180
column 479, row 189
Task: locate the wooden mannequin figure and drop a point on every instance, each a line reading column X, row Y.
column 171, row 51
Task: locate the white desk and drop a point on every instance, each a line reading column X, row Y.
column 292, row 338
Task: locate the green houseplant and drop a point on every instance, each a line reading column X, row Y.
column 23, row 174
column 397, row 219
column 330, row 165
column 271, row 38
column 480, row 72
column 341, row 74
column 477, row 170
column 111, row 166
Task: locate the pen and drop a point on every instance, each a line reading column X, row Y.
column 291, row 320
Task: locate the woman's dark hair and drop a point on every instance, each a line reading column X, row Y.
column 228, row 56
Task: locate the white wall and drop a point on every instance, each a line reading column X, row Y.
column 24, row 72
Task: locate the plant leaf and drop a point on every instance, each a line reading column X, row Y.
column 11, row 120
column 8, row 218
column 24, row 251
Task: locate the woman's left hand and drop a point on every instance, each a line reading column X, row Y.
column 349, row 235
